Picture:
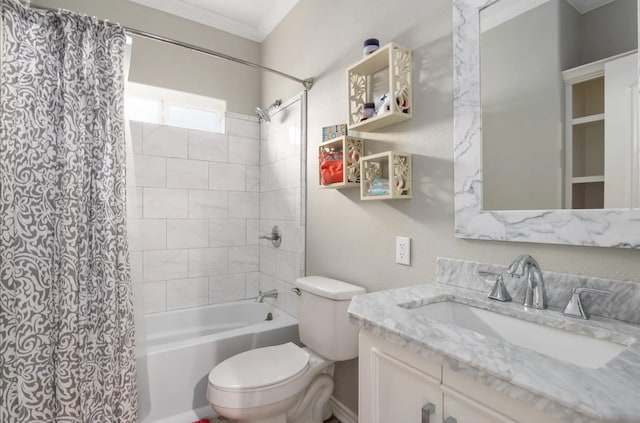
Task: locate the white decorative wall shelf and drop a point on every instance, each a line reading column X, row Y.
column 351, row 149
column 366, row 84
column 390, row 168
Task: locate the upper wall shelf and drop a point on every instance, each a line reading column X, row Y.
column 385, row 72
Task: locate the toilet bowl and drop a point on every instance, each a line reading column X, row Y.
column 265, row 384
column 287, row 383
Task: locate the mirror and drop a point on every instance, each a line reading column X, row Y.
column 531, row 152
column 547, row 69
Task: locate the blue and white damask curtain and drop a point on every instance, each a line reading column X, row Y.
column 66, row 314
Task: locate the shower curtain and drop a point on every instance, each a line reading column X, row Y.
column 66, row 314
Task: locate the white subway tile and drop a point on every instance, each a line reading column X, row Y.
column 165, row 203
column 253, row 232
column 148, row 234
column 185, row 293
column 291, row 300
column 150, row 171
column 253, row 179
column 227, row 232
column 252, row 284
column 244, row 205
column 135, row 264
column 227, row 177
column 207, row 262
column 268, row 260
column 292, row 172
column 165, row 141
column 187, row 233
column 226, row 288
column 268, row 205
column 187, row 174
column 287, row 266
column 244, row 259
column 155, row 297
column 136, row 136
column 244, row 150
column 286, row 204
column 208, row 146
column 139, row 202
column 242, row 128
column 267, row 151
column 208, row 204
column 165, row 264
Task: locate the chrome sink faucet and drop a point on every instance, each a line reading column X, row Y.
column 266, row 294
column 527, row 267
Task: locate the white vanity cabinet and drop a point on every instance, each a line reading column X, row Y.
column 395, row 384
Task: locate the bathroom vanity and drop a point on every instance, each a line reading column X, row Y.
column 435, row 352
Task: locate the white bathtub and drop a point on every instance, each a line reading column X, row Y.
column 184, row 345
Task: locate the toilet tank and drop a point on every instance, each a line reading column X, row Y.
column 322, row 317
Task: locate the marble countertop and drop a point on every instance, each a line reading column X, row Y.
column 563, row 390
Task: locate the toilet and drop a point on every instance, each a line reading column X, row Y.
column 287, row 383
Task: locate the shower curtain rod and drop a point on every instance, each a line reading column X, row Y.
column 306, row 83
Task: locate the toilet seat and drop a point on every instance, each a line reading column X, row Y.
column 231, row 391
column 260, row 368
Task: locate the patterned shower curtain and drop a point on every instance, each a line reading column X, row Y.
column 66, row 313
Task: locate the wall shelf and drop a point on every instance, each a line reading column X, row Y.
column 368, row 81
column 588, row 119
column 390, row 167
column 587, row 179
column 351, row 149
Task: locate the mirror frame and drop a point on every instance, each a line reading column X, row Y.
column 602, row 228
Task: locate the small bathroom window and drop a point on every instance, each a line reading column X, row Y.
column 146, row 103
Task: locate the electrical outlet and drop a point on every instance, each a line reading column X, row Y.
column 403, row 250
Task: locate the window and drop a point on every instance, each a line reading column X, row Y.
column 146, row 103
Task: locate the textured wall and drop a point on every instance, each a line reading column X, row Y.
column 354, row 240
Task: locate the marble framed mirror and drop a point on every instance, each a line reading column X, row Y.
column 588, row 224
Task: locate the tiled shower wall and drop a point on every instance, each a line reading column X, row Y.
column 282, row 201
column 196, row 238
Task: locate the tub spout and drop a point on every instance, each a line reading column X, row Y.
column 266, row 294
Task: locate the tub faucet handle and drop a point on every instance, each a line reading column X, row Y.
column 275, row 236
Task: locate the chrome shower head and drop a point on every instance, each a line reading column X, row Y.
column 263, row 113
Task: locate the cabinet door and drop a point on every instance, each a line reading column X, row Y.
column 466, row 410
column 399, row 391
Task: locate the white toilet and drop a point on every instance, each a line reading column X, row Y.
column 287, row 383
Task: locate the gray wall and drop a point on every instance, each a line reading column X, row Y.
column 354, row 240
column 176, row 68
column 609, row 30
column 522, row 109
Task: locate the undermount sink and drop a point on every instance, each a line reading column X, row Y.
column 577, row 349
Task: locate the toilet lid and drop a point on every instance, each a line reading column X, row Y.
column 259, row 367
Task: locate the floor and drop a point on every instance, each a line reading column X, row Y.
column 222, row 419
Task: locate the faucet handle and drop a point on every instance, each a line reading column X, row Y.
column 575, row 308
column 499, row 291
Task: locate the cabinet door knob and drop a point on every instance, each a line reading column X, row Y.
column 427, row 409
column 450, row 420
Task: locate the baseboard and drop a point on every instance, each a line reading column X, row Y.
column 342, row 412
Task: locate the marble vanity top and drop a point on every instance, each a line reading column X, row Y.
column 563, row 390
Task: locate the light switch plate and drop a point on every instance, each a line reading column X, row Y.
column 403, row 250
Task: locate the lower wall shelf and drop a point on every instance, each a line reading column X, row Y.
column 339, row 162
column 386, row 176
